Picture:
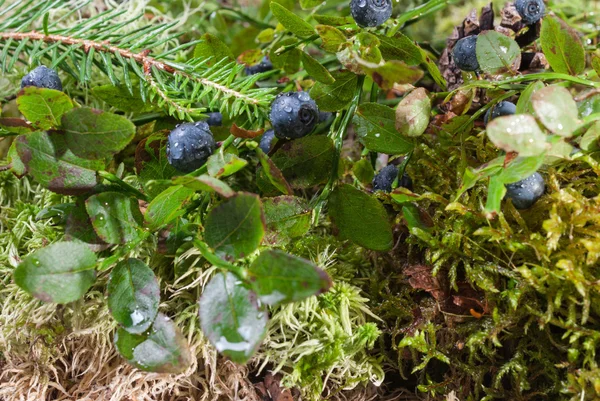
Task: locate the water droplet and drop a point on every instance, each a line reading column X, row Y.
column 362, row 3
column 504, row 49
column 303, row 96
column 36, row 262
column 106, row 204
column 287, row 108
column 136, row 317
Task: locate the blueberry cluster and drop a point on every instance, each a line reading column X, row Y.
column 370, row 13
column 384, row 180
column 526, row 192
column 189, row 145
column 293, row 115
column 42, row 77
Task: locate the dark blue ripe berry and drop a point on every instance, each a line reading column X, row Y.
column 215, row 119
column 465, row 55
column 526, row 192
column 370, row 13
column 503, row 108
column 189, row 146
column 293, row 115
column 42, row 77
column 264, row 66
column 266, row 141
column 531, row 11
column 385, row 178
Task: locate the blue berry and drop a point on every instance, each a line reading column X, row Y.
column 384, row 180
column 324, row 116
column 189, row 146
column 42, row 77
column 370, row 13
column 215, row 119
column 465, row 55
column 293, row 115
column 264, row 66
column 526, row 192
column 406, row 182
column 503, row 108
column 531, row 11
column 266, row 141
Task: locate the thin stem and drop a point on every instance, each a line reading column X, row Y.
column 285, row 49
column 125, row 186
column 422, row 10
column 533, row 77
column 213, row 259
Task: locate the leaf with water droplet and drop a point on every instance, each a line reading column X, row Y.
column 556, row 109
column 375, row 127
column 517, row 133
column 116, row 217
column 497, row 53
column 231, row 318
column 59, row 273
column 163, row 349
column 278, row 277
column 133, row 295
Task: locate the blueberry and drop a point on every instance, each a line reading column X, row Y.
column 293, row 115
column 531, row 11
column 324, row 116
column 215, row 119
column 264, row 66
column 370, row 13
column 465, row 55
column 503, row 108
column 189, row 146
column 266, row 141
column 42, row 77
column 526, row 192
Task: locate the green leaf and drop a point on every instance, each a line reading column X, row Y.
column 555, row 108
column 16, row 125
column 496, row 192
column 120, row 98
column 305, row 162
column 79, row 227
column 520, row 168
column 236, row 227
column 596, row 64
column 277, row 278
column 205, row 183
column 250, row 57
column 562, row 46
column 231, row 318
column 213, row 47
column 286, row 217
column 168, row 206
column 116, row 217
column 363, row 170
column 412, row 216
column 133, row 295
column 331, row 38
column 273, row 173
column 94, row 134
column 394, row 72
column 413, row 113
column 497, row 53
column 335, row 96
column 434, row 70
column 152, row 164
column 375, row 126
column 49, row 161
column 333, row 20
column 524, row 105
column 589, row 141
column 291, row 21
column 288, row 61
column 16, row 164
column 43, row 107
column 316, row 70
column 308, row 4
column 223, row 164
column 60, row 273
column 471, row 176
column 400, row 47
column 162, row 350
column 360, row 218
column 517, row 133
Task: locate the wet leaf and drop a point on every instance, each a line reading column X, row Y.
column 524, row 105
column 286, row 217
column 60, row 273
column 307, row 4
column 168, row 206
column 562, row 46
column 520, row 168
column 337, row 95
column 360, row 218
column 288, row 61
column 331, row 37
column 400, row 47
column 212, row 46
column 277, row 278
column 497, row 53
column 205, row 183
column 316, row 70
column 250, row 57
column 48, row 160
column 235, row 227
column 231, row 318
column 413, row 113
column 162, row 350
column 95, row 134
column 133, row 295
column 394, row 72
column 517, row 133
column 333, row 20
column 291, row 21
column 273, row 173
column 555, row 108
column 223, row 164
column 43, row 107
column 116, row 217
column 79, row 227
column 589, row 141
column 375, row 127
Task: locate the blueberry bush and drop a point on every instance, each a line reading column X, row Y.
column 282, row 200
